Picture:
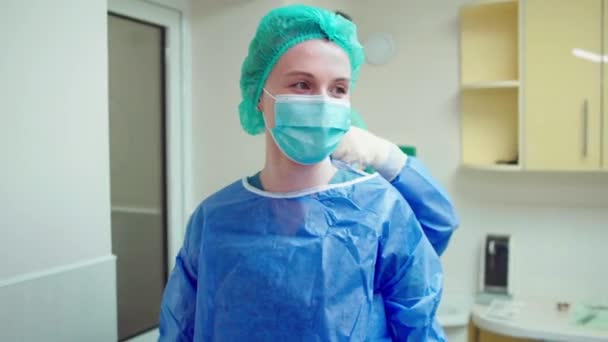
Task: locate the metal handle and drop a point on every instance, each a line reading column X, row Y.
column 585, row 127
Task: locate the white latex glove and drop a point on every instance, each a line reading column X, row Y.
column 361, row 148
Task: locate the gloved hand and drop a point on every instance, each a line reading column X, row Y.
column 363, row 149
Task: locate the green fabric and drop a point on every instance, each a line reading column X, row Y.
column 409, row 150
column 341, row 176
column 255, row 181
column 280, row 30
column 357, row 120
column 590, row 316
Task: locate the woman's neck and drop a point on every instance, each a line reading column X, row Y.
column 280, row 174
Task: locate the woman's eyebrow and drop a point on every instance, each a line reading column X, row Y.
column 309, row 75
column 300, row 73
column 342, row 79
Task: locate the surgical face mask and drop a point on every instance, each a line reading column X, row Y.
column 308, row 128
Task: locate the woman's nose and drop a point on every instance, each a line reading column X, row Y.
column 323, row 92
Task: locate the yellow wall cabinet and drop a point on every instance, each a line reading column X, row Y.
column 476, row 334
column 605, row 92
column 531, row 85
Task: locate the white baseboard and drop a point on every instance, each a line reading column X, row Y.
column 70, row 303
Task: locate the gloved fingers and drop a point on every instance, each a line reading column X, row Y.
column 348, row 159
column 392, row 164
column 341, row 153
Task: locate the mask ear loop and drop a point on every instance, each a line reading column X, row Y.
column 269, row 94
column 272, row 97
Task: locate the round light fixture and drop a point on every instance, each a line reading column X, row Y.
column 379, row 48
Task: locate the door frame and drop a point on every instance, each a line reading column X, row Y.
column 173, row 16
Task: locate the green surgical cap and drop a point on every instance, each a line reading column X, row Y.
column 278, row 31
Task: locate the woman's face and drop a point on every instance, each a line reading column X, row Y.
column 314, row 67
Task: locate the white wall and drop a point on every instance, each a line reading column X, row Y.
column 222, row 151
column 560, row 221
column 54, row 196
column 54, row 127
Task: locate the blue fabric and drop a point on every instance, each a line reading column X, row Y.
column 429, row 201
column 348, row 263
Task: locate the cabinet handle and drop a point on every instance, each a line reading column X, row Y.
column 585, row 127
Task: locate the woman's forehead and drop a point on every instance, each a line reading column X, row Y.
column 316, row 57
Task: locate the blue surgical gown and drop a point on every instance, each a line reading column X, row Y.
column 429, row 201
column 344, row 262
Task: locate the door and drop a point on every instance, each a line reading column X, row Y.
column 138, row 172
column 562, row 84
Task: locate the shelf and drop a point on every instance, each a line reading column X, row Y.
column 478, row 3
column 494, row 167
column 490, row 126
column 458, row 320
column 454, row 310
column 491, row 85
column 489, row 41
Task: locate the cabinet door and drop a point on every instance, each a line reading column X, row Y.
column 486, row 336
column 479, row 335
column 562, row 75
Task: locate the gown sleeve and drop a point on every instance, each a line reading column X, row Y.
column 429, row 202
column 409, row 277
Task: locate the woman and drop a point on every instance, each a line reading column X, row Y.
column 310, row 249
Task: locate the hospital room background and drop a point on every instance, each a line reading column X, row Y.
column 120, row 116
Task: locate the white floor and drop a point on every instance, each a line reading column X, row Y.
column 150, row 336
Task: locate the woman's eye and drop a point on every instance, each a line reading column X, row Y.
column 340, row 91
column 301, row 86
